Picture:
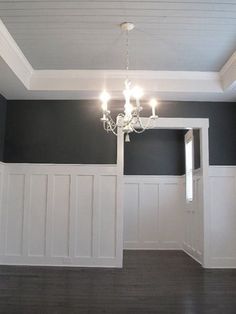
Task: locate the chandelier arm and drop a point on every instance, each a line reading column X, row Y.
column 110, row 125
column 111, row 129
column 120, row 115
column 141, row 124
column 139, row 132
column 104, row 126
column 143, row 128
column 110, row 120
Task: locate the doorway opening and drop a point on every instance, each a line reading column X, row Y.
column 169, row 211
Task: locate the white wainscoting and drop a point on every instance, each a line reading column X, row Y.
column 152, row 212
column 193, row 220
column 223, row 216
column 60, row 215
column 72, row 215
column 2, row 169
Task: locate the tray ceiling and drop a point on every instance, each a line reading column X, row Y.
column 169, row 36
column 180, row 50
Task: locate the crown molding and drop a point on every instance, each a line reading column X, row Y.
column 92, row 81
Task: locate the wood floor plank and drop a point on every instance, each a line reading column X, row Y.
column 150, row 282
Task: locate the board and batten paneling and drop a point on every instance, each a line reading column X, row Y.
column 193, row 219
column 84, row 216
column 70, row 215
column 2, row 170
column 152, row 212
column 37, row 215
column 223, row 216
column 60, row 215
column 15, row 214
column 107, row 216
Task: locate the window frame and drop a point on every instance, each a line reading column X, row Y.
column 189, row 138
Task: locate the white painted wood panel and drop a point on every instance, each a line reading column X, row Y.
column 60, row 215
column 193, row 220
column 171, row 218
column 107, row 216
column 38, row 200
column 131, row 214
column 3, row 181
column 223, row 216
column 38, row 214
column 15, row 214
column 223, row 220
column 149, row 214
column 84, row 216
column 152, row 212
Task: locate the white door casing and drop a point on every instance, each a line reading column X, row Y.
column 184, row 123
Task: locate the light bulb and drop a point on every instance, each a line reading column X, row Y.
column 104, row 106
column 153, row 103
column 105, row 97
column 130, row 108
column 137, row 92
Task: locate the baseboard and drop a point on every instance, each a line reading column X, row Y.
column 222, row 263
column 152, row 249
column 171, row 245
column 61, row 262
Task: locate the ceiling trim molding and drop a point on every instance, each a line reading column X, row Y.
column 228, row 73
column 92, row 81
column 14, row 57
column 113, row 80
column 119, row 74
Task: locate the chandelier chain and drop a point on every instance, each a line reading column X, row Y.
column 127, row 51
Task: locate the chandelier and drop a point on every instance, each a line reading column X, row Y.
column 129, row 120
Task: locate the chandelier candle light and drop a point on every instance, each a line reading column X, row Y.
column 130, row 118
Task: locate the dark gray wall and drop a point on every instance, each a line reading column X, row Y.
column 197, row 151
column 159, row 152
column 222, row 131
column 155, row 152
column 57, row 132
column 71, row 132
column 3, row 104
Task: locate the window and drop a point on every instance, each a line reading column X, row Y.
column 189, row 165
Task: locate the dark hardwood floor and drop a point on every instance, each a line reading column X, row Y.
column 150, row 282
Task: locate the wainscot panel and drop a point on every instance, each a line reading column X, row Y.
column 152, row 212
column 60, row 215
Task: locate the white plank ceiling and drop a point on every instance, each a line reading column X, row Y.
column 185, row 35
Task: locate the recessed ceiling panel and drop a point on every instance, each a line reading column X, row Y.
column 169, row 35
